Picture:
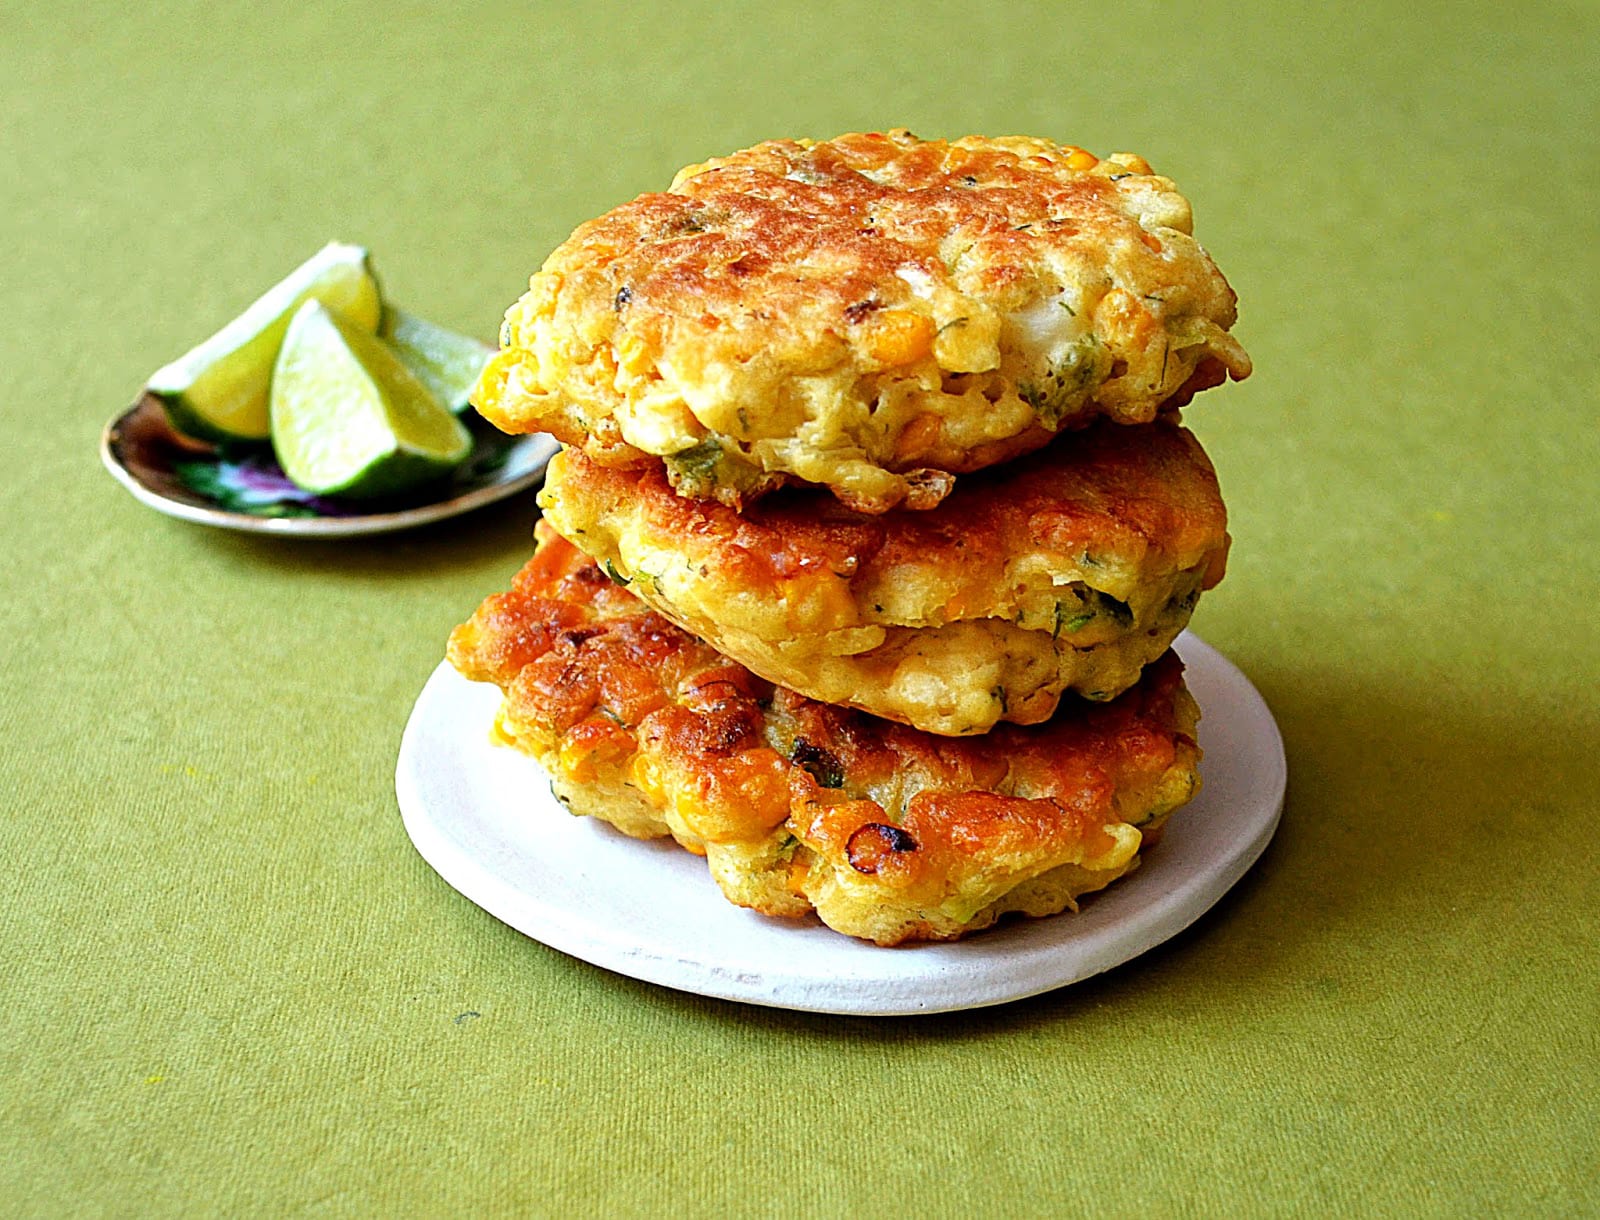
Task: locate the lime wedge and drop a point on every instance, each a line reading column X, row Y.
column 219, row 391
column 349, row 419
column 447, row 363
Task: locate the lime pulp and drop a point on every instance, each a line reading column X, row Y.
column 446, row 362
column 349, row 419
column 221, row 390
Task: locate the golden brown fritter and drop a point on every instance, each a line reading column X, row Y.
column 888, row 833
column 874, row 313
column 1069, row 569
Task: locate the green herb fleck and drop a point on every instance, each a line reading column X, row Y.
column 1065, row 382
column 694, row 470
column 1075, row 623
column 611, row 571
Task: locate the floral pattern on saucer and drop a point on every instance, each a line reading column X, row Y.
column 247, row 489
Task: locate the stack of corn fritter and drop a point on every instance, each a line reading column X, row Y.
column 875, row 520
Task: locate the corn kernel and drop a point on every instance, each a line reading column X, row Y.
column 920, row 436
column 1082, row 160
column 900, row 336
column 634, row 354
column 818, row 602
column 591, row 745
column 492, row 381
column 647, row 779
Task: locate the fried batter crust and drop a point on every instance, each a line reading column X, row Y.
column 887, row 833
column 1068, row 570
column 874, row 313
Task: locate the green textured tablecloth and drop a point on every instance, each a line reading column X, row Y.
column 232, row 987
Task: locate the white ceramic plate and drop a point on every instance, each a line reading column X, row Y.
column 483, row 816
column 192, row 481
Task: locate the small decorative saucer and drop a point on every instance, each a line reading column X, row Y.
column 191, row 480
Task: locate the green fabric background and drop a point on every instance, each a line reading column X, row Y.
column 232, row 987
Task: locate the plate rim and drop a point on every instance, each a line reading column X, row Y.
column 356, row 525
column 960, row 985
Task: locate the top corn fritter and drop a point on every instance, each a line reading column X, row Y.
column 874, row 313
